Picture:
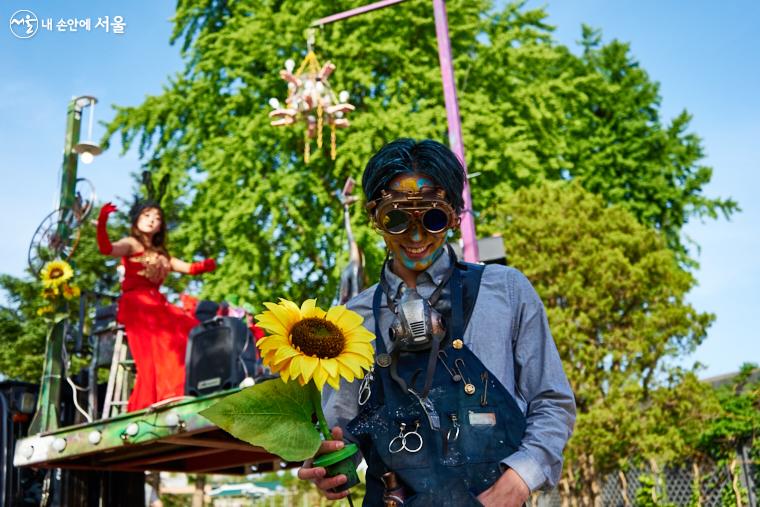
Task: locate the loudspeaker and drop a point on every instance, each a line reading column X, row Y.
column 220, row 354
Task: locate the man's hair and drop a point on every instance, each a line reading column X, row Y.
column 406, row 156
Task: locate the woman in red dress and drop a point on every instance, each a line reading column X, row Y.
column 156, row 330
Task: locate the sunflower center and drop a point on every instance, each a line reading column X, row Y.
column 318, row 337
column 56, row 273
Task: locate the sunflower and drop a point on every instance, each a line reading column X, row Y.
column 308, row 343
column 56, row 273
column 70, row 291
column 45, row 310
column 49, row 292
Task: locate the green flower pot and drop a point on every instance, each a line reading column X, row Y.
column 340, row 462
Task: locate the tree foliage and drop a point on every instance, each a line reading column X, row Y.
column 531, row 110
column 615, row 297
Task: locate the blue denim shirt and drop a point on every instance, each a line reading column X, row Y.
column 508, row 331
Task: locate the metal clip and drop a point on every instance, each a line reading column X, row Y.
column 365, row 390
column 427, row 406
column 484, row 396
column 453, row 432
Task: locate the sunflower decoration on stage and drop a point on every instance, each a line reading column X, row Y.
column 307, row 347
column 311, row 100
column 57, row 287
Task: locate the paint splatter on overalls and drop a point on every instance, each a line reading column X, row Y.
column 461, row 459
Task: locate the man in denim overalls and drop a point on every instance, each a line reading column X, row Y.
column 467, row 403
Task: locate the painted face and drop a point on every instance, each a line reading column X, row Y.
column 149, row 221
column 416, row 249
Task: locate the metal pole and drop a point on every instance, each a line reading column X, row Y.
column 46, row 416
column 469, row 238
column 355, row 12
column 470, row 247
column 70, row 162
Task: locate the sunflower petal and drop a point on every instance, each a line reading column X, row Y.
column 334, row 313
column 361, row 361
column 308, row 306
column 308, row 365
column 352, row 363
column 330, row 366
column 284, row 353
column 334, row 382
column 295, row 367
column 272, row 342
column 363, row 349
column 269, row 322
column 320, row 377
column 291, row 308
column 285, row 317
column 360, row 333
column 348, row 321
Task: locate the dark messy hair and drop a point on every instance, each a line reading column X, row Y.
column 404, row 156
column 159, row 238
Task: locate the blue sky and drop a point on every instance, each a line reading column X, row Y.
column 704, row 54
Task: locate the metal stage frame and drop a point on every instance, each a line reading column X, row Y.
column 171, row 437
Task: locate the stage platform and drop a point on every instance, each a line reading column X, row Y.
column 171, row 437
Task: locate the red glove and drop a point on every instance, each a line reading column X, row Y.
column 104, row 244
column 204, row 266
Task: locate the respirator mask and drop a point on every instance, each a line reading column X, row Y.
column 417, row 323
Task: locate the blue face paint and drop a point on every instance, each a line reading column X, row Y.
column 415, row 250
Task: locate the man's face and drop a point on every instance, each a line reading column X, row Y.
column 417, row 248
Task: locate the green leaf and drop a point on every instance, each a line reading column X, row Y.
column 274, row 415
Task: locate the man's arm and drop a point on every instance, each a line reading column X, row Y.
column 542, row 382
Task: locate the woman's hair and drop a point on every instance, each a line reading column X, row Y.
column 159, row 238
column 404, row 156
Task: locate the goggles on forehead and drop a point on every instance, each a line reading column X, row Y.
column 396, row 212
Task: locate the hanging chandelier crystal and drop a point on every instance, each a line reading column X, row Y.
column 311, row 100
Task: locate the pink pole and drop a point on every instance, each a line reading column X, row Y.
column 355, row 12
column 470, row 248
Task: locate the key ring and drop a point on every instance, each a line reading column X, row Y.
column 417, row 436
column 399, row 445
column 399, row 442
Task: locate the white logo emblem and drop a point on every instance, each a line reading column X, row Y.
column 24, row 24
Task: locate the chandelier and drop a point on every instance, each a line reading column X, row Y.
column 311, row 100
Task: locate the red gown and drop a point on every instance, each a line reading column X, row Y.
column 156, row 330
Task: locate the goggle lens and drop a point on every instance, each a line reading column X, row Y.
column 397, row 221
column 435, row 220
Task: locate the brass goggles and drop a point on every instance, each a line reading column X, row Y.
column 396, row 212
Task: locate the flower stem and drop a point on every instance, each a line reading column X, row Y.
column 316, row 401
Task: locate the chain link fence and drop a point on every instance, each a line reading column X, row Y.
column 675, row 485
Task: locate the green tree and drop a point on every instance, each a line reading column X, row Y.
column 736, row 425
column 615, row 298
column 531, row 109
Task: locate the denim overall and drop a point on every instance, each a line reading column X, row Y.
column 460, row 459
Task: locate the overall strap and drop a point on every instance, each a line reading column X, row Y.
column 470, row 276
column 376, row 302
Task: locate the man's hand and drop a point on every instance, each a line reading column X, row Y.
column 509, row 491
column 317, row 474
